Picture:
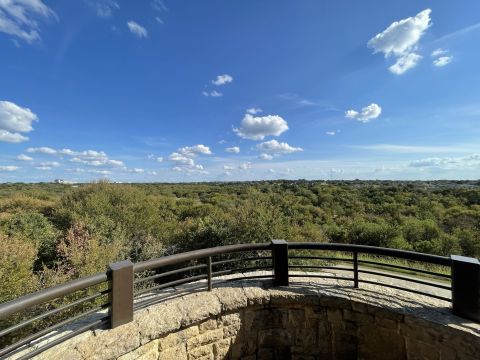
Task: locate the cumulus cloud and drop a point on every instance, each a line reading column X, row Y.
column 222, row 80
column 275, row 147
column 400, row 40
column 195, row 150
column 19, row 18
column 15, row 120
column 265, row 156
column 43, row 150
column 258, row 127
column 442, row 61
column 9, row 168
column 368, row 113
column 439, row 52
column 332, row 133
column 254, row 111
column 137, row 29
column 23, row 157
column 228, row 167
column 86, row 157
column 405, row 63
column 233, row 149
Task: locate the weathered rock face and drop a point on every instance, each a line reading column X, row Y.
column 309, row 320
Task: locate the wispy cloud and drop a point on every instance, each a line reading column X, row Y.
column 137, row 29
column 20, row 18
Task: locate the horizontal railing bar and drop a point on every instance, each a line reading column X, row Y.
column 42, row 296
column 319, row 267
column 322, row 276
column 222, row 272
column 250, row 277
column 197, row 254
column 141, row 304
column 405, row 289
column 398, row 277
column 52, row 312
column 97, row 323
column 404, row 268
column 403, row 254
column 321, row 258
column 50, row 329
column 221, row 262
column 170, row 284
column 173, row 272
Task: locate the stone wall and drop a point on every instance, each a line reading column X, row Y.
column 309, row 320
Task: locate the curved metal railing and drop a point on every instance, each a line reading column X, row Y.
column 29, row 319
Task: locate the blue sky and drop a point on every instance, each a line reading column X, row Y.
column 204, row 90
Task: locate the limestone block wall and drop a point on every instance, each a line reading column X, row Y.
column 309, row 320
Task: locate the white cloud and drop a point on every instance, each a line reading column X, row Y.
column 254, row 111
column 332, row 133
column 368, row 113
column 50, row 164
column 103, row 8
column 405, row 63
column 156, row 158
column 86, row 157
column 195, row 150
column 228, row 167
column 222, row 80
column 19, row 18
column 265, row 156
column 439, row 52
column 42, row 150
column 401, row 39
column 92, row 171
column 233, row 149
column 23, row 157
column 7, row 136
column 245, row 166
column 442, row 61
column 213, row 93
column 181, row 159
column 9, row 168
column 15, row 120
column 137, row 29
column 469, row 161
column 137, row 170
column 159, row 5
column 275, row 147
column 258, row 127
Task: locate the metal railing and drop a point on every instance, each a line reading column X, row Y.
column 126, row 287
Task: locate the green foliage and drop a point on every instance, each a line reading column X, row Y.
column 53, row 233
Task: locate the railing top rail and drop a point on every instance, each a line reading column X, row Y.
column 10, row 307
column 42, row 296
column 197, row 254
column 403, row 254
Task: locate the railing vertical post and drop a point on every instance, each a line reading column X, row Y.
column 121, row 293
column 209, row 273
column 355, row 269
column 466, row 287
column 280, row 262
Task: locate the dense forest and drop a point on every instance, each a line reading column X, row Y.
column 51, row 233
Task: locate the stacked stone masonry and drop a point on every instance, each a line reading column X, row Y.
column 309, row 320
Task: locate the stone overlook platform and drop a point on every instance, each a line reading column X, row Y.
column 251, row 319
